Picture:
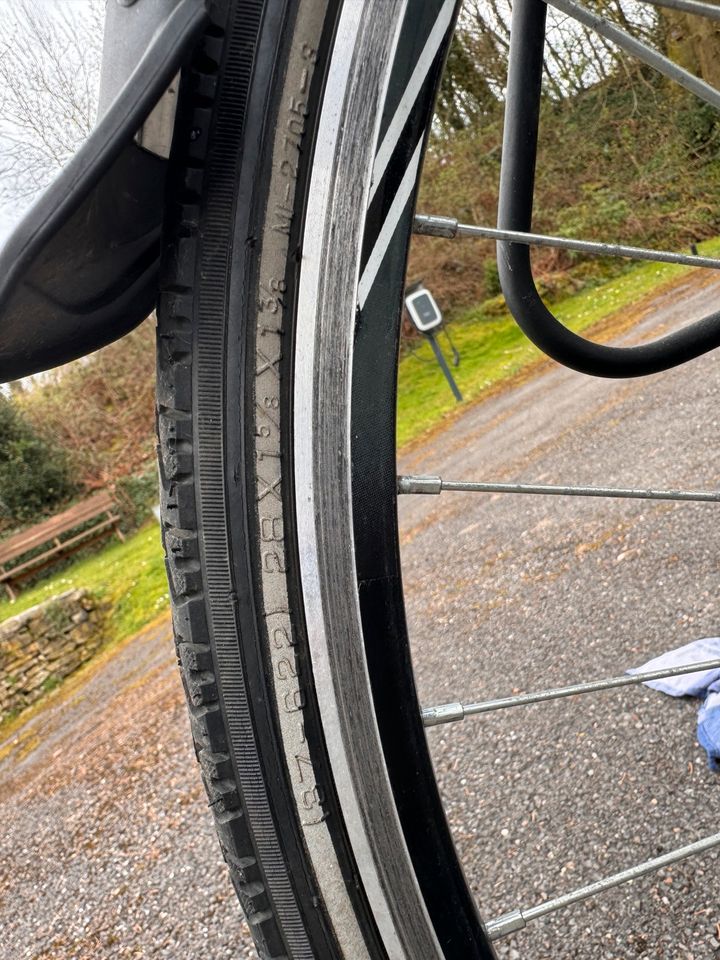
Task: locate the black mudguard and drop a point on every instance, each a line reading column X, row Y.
column 80, row 269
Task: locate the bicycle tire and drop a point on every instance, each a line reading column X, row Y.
column 244, row 164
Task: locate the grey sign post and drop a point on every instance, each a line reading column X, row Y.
column 427, row 318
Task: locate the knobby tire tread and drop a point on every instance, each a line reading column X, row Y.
column 177, row 456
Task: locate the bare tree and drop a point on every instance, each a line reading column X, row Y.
column 575, row 57
column 49, row 74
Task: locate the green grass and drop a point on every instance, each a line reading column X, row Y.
column 493, row 348
column 129, row 576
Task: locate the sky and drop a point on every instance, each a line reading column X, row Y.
column 11, row 15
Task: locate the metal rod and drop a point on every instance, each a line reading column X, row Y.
column 518, row 919
column 451, row 712
column 428, row 225
column 435, row 485
column 642, row 51
column 689, row 6
column 444, row 367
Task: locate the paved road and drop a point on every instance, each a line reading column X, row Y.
column 107, row 850
column 509, row 593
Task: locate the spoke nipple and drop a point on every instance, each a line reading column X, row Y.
column 506, row 924
column 419, row 485
column 445, row 713
column 435, row 226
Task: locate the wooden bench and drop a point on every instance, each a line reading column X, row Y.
column 100, row 514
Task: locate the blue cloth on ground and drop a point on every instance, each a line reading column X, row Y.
column 704, row 684
column 708, row 729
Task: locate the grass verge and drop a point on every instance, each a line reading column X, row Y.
column 493, row 349
column 129, row 577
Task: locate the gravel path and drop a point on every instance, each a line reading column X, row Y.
column 108, row 850
column 509, row 593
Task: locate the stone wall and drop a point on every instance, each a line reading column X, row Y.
column 44, row 644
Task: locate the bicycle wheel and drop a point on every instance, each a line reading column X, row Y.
column 296, row 155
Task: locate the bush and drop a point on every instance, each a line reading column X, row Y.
column 637, row 162
column 34, row 473
column 137, row 496
column 491, row 277
column 101, row 409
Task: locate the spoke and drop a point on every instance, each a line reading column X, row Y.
column 518, row 919
column 452, row 712
column 689, row 6
column 449, row 228
column 435, row 485
column 642, row 51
